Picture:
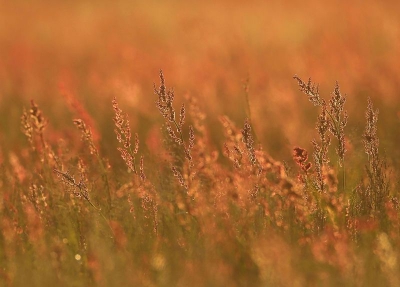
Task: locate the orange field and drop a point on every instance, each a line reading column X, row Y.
column 228, row 168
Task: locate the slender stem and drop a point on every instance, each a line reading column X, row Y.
column 105, row 178
column 344, row 177
column 83, row 192
column 98, row 209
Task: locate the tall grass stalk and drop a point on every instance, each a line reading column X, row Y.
column 336, row 122
column 80, row 189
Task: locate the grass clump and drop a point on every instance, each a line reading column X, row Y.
column 187, row 212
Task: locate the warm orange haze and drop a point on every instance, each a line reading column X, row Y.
column 176, row 143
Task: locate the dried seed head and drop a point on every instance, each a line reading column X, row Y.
column 172, row 134
column 128, row 158
column 165, row 100
column 141, row 169
column 311, row 90
column 135, row 151
column 371, row 140
column 337, row 101
column 191, row 137
column 36, row 117
column 178, row 175
column 238, row 151
column 161, row 92
column 26, row 126
column 338, row 120
column 79, row 189
column 118, row 119
column 123, row 132
column 182, row 116
column 33, row 122
column 86, row 135
column 127, row 133
column 248, row 141
column 323, row 125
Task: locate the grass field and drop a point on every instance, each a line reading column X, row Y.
column 148, row 143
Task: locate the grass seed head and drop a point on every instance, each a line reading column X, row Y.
column 248, row 141
column 123, row 132
column 311, row 90
column 86, row 135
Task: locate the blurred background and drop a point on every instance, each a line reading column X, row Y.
column 58, row 52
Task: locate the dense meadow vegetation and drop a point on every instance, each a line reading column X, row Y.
column 183, row 144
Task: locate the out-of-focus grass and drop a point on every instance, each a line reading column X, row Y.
column 72, row 58
column 208, row 49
